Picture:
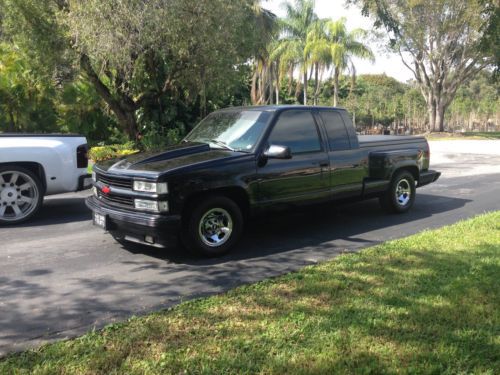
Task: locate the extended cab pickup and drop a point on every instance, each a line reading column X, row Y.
column 32, row 166
column 240, row 162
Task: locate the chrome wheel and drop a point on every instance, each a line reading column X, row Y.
column 215, row 227
column 19, row 195
column 403, row 192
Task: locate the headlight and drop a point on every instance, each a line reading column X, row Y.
column 94, row 176
column 153, row 206
column 151, row 187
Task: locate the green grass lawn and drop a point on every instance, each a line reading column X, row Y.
column 463, row 136
column 429, row 303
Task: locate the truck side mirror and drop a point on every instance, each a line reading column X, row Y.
column 278, row 152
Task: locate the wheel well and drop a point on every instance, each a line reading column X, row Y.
column 412, row 169
column 36, row 168
column 237, row 194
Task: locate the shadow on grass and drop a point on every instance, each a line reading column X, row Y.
column 425, row 310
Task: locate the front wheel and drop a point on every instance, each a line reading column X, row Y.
column 213, row 226
column 21, row 194
column 400, row 196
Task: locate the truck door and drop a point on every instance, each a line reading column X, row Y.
column 346, row 161
column 304, row 177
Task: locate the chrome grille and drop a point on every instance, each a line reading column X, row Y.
column 116, row 200
column 119, row 182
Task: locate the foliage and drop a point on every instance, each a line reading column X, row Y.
column 157, row 138
column 80, row 110
column 444, row 40
column 402, row 105
column 134, row 53
column 427, row 304
column 101, row 153
column 291, row 48
column 150, row 71
column 31, row 103
column 332, row 45
column 476, row 104
column 25, row 99
column 304, row 43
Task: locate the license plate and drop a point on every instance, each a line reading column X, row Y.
column 100, row 220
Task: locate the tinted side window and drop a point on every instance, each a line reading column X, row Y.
column 337, row 133
column 297, row 130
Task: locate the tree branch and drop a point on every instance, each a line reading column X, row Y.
column 100, row 87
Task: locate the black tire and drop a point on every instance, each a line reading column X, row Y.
column 11, row 194
column 400, row 196
column 215, row 209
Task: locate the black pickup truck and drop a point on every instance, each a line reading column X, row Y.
column 240, row 162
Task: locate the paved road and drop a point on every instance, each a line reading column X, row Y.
column 59, row 276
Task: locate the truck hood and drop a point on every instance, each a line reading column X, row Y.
column 173, row 159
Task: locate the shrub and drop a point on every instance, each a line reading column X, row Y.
column 101, row 153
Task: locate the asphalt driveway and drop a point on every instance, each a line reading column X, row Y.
column 60, row 276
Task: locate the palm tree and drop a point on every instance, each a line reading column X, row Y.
column 263, row 70
column 344, row 45
column 291, row 49
column 318, row 52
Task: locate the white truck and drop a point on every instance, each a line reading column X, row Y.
column 33, row 166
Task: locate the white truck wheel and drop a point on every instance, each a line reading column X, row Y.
column 21, row 194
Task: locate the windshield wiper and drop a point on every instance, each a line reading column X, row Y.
column 220, row 143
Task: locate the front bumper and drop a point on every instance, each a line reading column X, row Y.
column 428, row 177
column 138, row 226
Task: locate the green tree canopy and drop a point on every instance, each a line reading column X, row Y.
column 444, row 39
column 135, row 52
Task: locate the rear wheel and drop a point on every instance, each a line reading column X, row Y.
column 21, row 194
column 213, row 226
column 400, row 196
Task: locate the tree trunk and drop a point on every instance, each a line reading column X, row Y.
column 262, row 80
column 353, row 80
column 128, row 119
column 203, row 104
column 316, row 86
column 271, row 84
column 290, row 80
column 124, row 108
column 253, row 92
column 305, row 86
column 277, row 88
column 431, row 109
column 12, row 123
column 336, row 87
column 440, row 113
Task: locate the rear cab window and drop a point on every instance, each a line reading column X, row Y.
column 297, row 130
column 338, row 138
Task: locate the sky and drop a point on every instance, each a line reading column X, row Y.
column 388, row 63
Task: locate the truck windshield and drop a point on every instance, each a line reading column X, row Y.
column 237, row 130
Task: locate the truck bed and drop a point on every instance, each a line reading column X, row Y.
column 387, row 140
column 44, row 135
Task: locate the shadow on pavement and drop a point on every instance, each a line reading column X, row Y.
column 60, row 211
column 314, row 226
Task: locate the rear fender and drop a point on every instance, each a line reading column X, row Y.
column 383, row 164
